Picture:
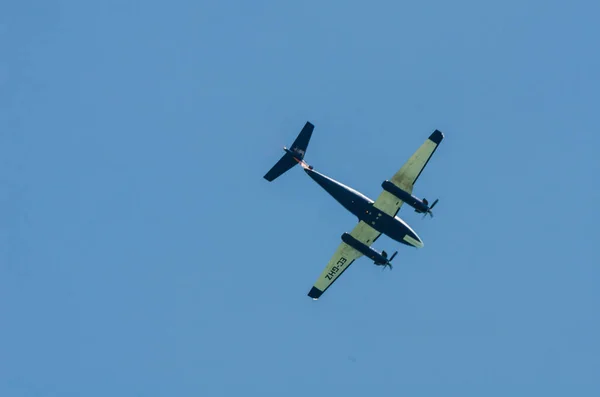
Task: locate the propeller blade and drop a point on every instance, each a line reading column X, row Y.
column 393, row 255
column 434, row 203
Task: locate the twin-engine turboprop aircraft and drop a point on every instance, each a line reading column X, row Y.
column 375, row 217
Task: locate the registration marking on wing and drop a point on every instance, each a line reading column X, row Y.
column 335, row 269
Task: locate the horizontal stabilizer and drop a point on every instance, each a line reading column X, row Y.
column 301, row 143
column 292, row 156
column 283, row 165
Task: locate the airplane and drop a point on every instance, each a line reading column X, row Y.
column 375, row 217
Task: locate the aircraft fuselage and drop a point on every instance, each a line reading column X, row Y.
column 362, row 207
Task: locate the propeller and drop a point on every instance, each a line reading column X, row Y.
column 430, row 208
column 389, row 262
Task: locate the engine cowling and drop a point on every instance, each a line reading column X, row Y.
column 404, row 196
column 364, row 249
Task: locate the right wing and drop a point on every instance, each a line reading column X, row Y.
column 406, row 177
column 343, row 258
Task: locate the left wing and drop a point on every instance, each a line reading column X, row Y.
column 406, row 177
column 343, row 258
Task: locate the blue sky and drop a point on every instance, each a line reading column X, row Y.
column 142, row 253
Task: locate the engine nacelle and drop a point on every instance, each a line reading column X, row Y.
column 364, row 249
column 404, row 196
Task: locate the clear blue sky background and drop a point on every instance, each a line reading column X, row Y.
column 142, row 253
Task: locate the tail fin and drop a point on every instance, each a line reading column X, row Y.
column 292, row 156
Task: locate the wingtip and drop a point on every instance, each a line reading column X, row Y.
column 436, row 137
column 315, row 293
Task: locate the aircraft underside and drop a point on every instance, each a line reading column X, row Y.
column 362, row 207
column 374, row 217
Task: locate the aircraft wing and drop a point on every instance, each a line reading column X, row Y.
column 408, row 174
column 343, row 258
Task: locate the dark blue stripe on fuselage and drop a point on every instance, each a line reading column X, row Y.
column 362, row 207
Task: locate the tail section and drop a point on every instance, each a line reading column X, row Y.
column 282, row 166
column 292, row 156
column 301, row 143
